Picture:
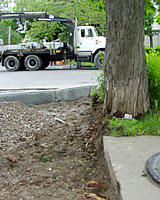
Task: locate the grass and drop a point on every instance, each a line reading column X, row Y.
column 148, row 125
column 151, row 123
column 73, row 62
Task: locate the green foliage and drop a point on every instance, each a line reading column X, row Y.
column 155, row 50
column 150, row 11
column 153, row 68
column 100, row 4
column 46, row 159
column 148, row 125
column 124, row 127
column 149, row 6
column 47, row 30
column 83, row 10
column 151, row 123
column 100, row 90
column 149, row 20
column 15, row 37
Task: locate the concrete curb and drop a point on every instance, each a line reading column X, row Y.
column 73, row 93
column 47, row 96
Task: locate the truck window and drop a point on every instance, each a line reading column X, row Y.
column 96, row 32
column 90, row 33
column 82, row 32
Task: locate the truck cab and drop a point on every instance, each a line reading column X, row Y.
column 89, row 45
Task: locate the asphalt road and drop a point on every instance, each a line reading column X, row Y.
column 50, row 78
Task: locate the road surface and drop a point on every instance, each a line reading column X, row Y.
column 47, row 79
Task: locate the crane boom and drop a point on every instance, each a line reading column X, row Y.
column 42, row 16
column 39, row 16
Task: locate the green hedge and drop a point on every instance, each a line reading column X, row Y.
column 152, row 49
column 153, row 69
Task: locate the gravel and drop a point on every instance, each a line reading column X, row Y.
column 45, row 159
column 20, row 122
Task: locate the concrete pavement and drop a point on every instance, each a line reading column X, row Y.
column 128, row 157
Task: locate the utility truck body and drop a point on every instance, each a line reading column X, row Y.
column 84, row 46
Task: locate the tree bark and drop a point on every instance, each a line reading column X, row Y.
column 151, row 40
column 125, row 73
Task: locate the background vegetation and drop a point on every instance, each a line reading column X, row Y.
column 83, row 10
column 153, row 68
column 86, row 11
column 15, row 36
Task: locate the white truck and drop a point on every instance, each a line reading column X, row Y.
column 84, row 46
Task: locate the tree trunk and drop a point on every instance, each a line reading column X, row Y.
column 125, row 73
column 151, row 40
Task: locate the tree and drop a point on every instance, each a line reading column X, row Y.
column 99, row 4
column 125, row 73
column 150, row 12
column 15, row 37
column 5, row 6
column 82, row 10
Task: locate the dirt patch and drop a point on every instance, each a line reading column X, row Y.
column 46, row 159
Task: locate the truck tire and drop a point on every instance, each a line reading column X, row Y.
column 98, row 61
column 32, row 63
column 11, row 63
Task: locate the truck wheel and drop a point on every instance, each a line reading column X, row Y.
column 32, row 63
column 99, row 60
column 11, row 63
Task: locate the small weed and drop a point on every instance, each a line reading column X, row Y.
column 100, row 90
column 46, row 159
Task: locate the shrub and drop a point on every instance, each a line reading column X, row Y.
column 152, row 50
column 153, row 69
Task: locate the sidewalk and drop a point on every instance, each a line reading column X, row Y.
column 128, row 157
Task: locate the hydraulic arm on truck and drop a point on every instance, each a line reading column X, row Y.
column 41, row 16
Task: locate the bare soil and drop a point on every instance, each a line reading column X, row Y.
column 42, row 158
